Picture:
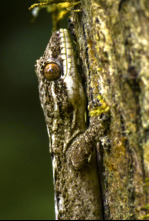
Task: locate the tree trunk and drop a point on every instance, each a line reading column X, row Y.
column 113, row 45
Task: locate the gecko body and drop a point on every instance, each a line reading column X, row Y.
column 77, row 191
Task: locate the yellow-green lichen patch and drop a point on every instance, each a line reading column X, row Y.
column 146, row 210
column 97, row 111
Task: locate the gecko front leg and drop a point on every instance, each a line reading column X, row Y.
column 77, row 192
column 82, row 147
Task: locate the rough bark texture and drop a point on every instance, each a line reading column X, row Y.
column 113, row 46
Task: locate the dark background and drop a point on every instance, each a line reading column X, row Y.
column 26, row 183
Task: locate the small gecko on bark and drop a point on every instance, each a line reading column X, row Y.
column 72, row 144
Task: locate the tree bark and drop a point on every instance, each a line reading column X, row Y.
column 113, row 45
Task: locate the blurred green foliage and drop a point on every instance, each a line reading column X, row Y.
column 26, row 185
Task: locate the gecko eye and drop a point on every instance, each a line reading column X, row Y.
column 52, row 71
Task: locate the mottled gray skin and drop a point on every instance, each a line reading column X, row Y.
column 76, row 185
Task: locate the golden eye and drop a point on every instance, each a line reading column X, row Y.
column 52, row 71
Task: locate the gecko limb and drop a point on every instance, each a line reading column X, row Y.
column 83, row 146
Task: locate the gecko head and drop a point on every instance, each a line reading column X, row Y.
column 51, row 72
column 59, row 83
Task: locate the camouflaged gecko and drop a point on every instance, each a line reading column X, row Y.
column 72, row 144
